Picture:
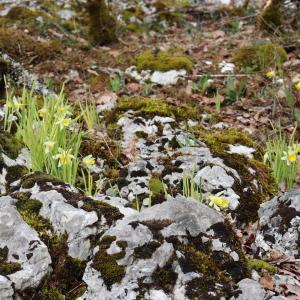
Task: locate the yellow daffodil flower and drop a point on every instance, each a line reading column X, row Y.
column 49, row 145
column 216, row 201
column 88, row 161
column 43, row 112
column 290, row 156
column 64, row 122
column 270, row 74
column 64, row 110
column 64, row 156
column 297, row 86
column 219, row 201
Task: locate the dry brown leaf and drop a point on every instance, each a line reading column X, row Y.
column 267, row 282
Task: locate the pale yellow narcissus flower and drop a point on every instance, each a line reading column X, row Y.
column 63, row 122
column 217, row 201
column 43, row 112
column 88, row 161
column 270, row 74
column 64, row 156
column 290, row 156
column 64, row 110
column 49, row 145
column 297, row 86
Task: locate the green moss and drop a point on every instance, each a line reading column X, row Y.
column 260, row 57
column 40, row 179
column 102, row 25
column 271, row 17
column 219, row 141
column 150, row 107
column 162, row 61
column 30, row 205
column 51, row 294
column 6, row 267
column 260, row 265
column 110, row 270
column 145, row 251
column 110, row 213
column 141, row 134
column 165, row 277
column 10, row 145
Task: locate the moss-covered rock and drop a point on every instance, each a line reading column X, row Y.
column 110, row 270
column 28, row 47
column 260, row 57
column 102, row 25
column 150, row 107
column 110, row 213
column 162, row 61
column 7, row 267
column 256, row 183
column 146, row 252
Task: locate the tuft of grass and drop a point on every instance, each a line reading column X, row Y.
column 189, row 188
column 277, row 148
column 90, row 115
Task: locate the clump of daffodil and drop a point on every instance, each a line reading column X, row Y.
column 270, row 74
column 63, row 122
column 297, row 86
column 64, row 157
column 290, row 156
column 49, row 145
column 217, row 201
column 43, row 112
column 88, row 161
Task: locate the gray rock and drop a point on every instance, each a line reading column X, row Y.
column 78, row 223
column 6, row 288
column 249, row 289
column 24, row 247
column 279, row 221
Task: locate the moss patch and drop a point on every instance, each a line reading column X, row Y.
column 260, row 265
column 145, row 251
column 10, row 145
column 110, row 213
column 110, row 270
column 7, row 267
column 27, row 46
column 260, row 57
column 150, row 107
column 162, row 61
